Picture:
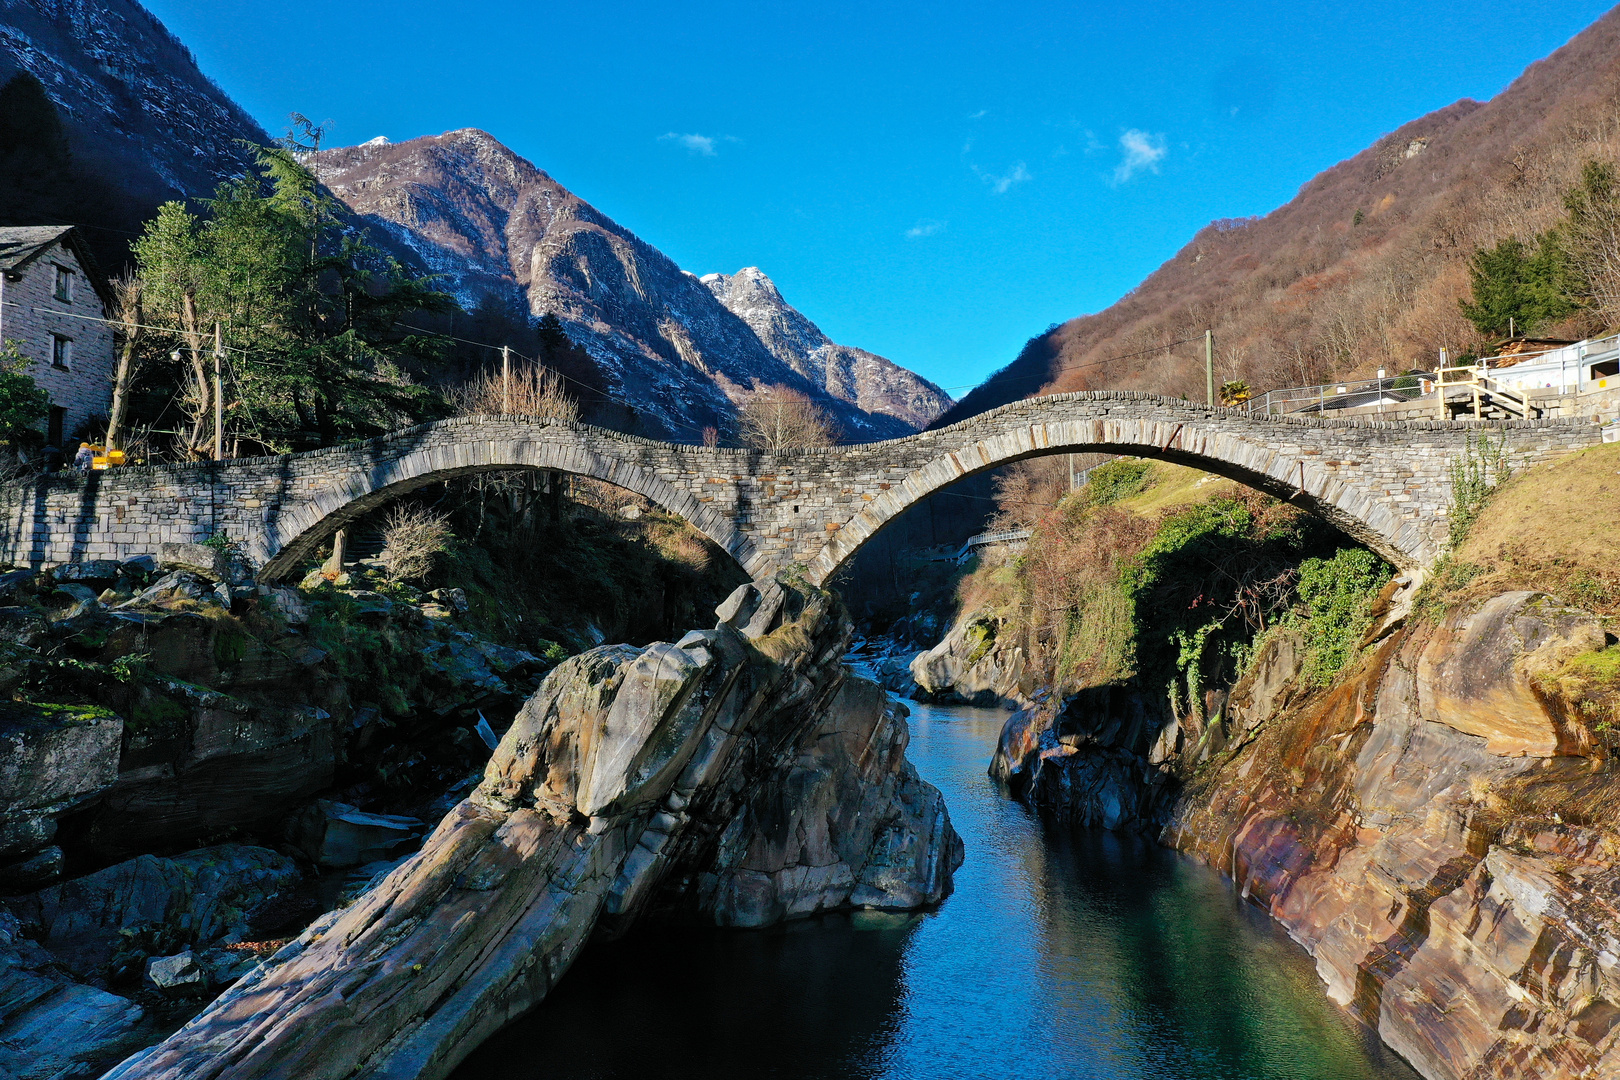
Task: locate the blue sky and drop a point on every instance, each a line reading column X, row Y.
column 936, row 181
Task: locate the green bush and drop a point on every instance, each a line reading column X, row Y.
column 1336, row 596
column 1119, row 479
column 23, row 405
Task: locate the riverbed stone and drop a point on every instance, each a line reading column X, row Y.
column 337, row 836
column 177, row 974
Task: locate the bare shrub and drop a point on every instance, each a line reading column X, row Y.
column 412, row 537
column 781, row 418
column 533, row 390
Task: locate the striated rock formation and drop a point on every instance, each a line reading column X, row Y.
column 493, row 224
column 628, row 765
column 865, row 380
column 54, row 1026
column 1434, row 829
column 971, row 666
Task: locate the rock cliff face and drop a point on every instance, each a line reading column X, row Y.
column 130, row 92
column 738, row 775
column 1431, row 829
column 493, row 224
column 865, row 380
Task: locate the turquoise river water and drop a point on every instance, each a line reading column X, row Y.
column 1061, row 954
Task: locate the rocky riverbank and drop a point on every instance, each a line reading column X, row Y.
column 194, row 766
column 1437, row 828
column 739, row 776
column 1436, row 818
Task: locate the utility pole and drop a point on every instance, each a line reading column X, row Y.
column 506, row 379
column 219, row 397
column 1209, row 364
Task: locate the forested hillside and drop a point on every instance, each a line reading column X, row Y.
column 1365, row 268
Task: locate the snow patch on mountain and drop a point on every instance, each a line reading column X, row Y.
column 870, row 382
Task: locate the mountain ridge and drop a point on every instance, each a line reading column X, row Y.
column 499, row 227
column 869, row 381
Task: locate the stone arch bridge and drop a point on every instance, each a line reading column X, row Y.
column 1385, row 483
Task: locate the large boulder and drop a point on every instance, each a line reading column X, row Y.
column 1476, row 673
column 203, row 896
column 973, row 666
column 844, row 822
column 609, row 790
column 56, row 755
column 200, row 559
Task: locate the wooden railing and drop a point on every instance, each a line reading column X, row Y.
column 1479, row 383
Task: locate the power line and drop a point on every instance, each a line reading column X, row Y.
column 118, row 323
column 1052, row 373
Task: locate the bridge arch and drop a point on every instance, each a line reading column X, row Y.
column 1356, row 475
column 303, row 526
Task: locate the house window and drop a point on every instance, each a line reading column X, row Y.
column 64, row 284
column 53, row 430
column 61, row 352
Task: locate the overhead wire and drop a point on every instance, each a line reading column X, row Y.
column 1050, row 373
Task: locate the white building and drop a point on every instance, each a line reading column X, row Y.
column 52, row 301
column 1583, row 367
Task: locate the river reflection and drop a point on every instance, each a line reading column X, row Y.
column 1072, row 955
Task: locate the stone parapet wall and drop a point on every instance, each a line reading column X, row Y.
column 1385, row 483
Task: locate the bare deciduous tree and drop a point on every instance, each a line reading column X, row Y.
column 533, row 390
column 780, row 418
column 412, row 537
column 127, row 317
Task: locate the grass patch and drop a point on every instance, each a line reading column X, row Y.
column 1590, row 681
column 1549, row 529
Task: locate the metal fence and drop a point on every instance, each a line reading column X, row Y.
column 1348, row 394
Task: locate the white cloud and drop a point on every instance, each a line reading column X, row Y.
column 980, row 115
column 1000, row 184
column 925, row 227
column 704, row 145
column 1142, row 151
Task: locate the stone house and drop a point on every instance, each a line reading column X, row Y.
column 52, row 303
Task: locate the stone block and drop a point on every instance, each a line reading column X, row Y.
column 197, row 559
column 97, row 574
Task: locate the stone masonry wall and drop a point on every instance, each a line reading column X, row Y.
column 1385, row 483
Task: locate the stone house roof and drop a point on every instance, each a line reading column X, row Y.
column 22, row 244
